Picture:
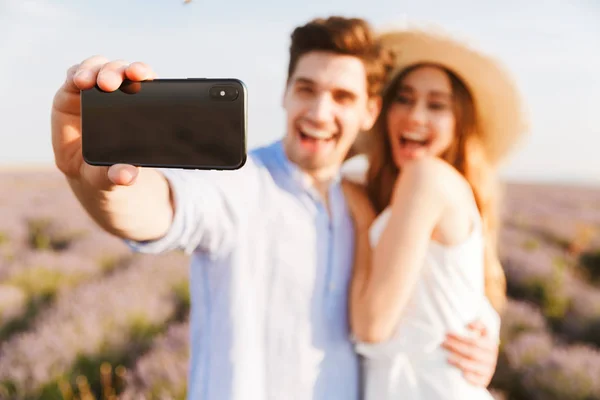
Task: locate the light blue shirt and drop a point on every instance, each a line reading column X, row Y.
column 270, row 276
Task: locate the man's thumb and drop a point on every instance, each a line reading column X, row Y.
column 123, row 174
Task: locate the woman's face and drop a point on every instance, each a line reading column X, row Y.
column 421, row 119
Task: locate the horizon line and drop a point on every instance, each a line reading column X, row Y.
column 49, row 166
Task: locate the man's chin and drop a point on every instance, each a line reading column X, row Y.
column 312, row 162
column 319, row 166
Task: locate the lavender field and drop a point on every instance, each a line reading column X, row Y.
column 81, row 317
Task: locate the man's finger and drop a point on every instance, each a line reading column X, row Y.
column 111, row 75
column 139, row 71
column 85, row 75
column 66, row 100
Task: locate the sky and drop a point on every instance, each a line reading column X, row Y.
column 551, row 46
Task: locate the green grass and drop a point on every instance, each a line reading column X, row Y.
column 590, row 262
column 4, row 239
column 41, row 281
column 110, row 263
column 40, row 286
column 92, row 374
column 531, row 244
column 42, row 237
column 181, row 291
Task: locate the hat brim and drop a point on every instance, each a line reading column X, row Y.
column 498, row 104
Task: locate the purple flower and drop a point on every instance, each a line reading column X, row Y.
column 567, row 373
column 41, row 275
column 162, row 371
column 521, row 317
column 12, row 303
column 539, row 275
column 563, row 217
column 582, row 321
column 524, row 349
column 528, row 349
column 98, row 316
column 551, row 200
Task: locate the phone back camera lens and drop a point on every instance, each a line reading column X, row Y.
column 224, row 93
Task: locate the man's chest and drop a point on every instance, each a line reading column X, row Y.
column 309, row 256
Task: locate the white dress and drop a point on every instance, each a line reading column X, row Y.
column 449, row 294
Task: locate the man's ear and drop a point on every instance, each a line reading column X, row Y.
column 283, row 96
column 286, row 88
column 374, row 104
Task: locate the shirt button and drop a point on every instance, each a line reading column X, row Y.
column 331, row 287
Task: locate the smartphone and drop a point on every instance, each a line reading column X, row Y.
column 190, row 123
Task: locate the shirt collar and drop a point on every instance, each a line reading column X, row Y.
column 299, row 176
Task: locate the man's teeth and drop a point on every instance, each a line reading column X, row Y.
column 417, row 137
column 317, row 133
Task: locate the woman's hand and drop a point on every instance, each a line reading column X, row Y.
column 476, row 357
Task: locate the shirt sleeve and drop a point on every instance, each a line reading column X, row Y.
column 210, row 207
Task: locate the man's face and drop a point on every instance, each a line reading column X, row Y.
column 327, row 105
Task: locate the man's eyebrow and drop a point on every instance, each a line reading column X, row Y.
column 304, row 80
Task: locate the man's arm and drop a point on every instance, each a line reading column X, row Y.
column 140, row 212
column 126, row 201
column 155, row 210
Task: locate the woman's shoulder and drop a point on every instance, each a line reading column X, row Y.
column 441, row 177
column 433, row 171
column 430, row 167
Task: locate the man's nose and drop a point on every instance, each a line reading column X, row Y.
column 322, row 108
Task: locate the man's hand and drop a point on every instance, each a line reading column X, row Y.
column 476, row 356
column 143, row 211
column 66, row 119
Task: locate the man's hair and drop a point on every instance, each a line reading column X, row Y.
column 343, row 36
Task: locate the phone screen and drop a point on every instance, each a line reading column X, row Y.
column 178, row 123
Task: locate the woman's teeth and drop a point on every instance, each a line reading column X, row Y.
column 414, row 137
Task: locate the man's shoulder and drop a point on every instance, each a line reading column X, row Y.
column 264, row 163
column 270, row 159
column 265, row 153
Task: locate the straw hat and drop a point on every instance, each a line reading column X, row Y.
column 498, row 104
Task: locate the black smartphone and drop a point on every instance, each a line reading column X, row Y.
column 190, row 123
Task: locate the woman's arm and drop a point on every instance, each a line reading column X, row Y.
column 475, row 356
column 380, row 293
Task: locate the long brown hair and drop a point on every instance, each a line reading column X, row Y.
column 466, row 154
